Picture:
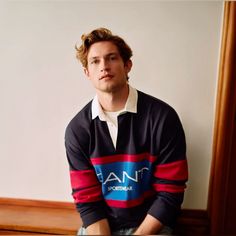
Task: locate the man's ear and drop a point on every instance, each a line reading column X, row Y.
column 128, row 66
column 86, row 72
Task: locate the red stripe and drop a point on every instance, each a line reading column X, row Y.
column 169, row 188
column 129, row 203
column 177, row 170
column 91, row 194
column 83, row 178
column 123, row 158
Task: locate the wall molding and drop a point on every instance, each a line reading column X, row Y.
column 193, row 222
column 22, row 216
column 224, row 130
column 190, row 221
column 36, row 203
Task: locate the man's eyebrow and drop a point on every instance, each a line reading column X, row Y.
column 112, row 54
column 91, row 58
column 107, row 55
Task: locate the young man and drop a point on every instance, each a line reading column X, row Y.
column 126, row 149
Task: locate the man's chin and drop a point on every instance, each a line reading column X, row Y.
column 112, row 88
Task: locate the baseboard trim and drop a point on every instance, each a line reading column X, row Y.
column 38, row 217
column 36, row 203
column 191, row 221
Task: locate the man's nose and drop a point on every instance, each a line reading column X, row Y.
column 104, row 65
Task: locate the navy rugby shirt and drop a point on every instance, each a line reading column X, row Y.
column 145, row 174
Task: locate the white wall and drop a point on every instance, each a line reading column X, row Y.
column 42, row 86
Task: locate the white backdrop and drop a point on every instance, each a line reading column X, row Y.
column 42, row 86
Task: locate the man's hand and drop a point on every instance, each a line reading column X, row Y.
column 149, row 226
column 101, row 227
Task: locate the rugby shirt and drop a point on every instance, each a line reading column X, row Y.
column 145, row 174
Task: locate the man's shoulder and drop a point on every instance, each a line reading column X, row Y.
column 77, row 131
column 147, row 101
column 82, row 118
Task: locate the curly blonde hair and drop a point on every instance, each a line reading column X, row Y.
column 98, row 35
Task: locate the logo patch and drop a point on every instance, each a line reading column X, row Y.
column 124, row 180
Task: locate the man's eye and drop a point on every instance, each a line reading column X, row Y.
column 94, row 61
column 113, row 58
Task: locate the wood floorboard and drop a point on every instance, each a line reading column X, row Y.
column 35, row 217
column 39, row 219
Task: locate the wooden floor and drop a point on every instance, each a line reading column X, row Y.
column 26, row 216
column 18, row 216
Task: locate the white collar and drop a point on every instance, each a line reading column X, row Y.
column 130, row 105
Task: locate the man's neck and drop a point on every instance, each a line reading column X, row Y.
column 114, row 101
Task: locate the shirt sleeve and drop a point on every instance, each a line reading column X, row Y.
column 86, row 189
column 171, row 171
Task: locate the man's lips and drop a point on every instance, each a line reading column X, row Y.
column 107, row 76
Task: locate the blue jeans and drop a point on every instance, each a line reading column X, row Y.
column 129, row 231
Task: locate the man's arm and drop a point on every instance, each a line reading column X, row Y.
column 86, row 188
column 149, row 226
column 169, row 177
column 100, row 227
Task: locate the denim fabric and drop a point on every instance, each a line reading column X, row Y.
column 165, row 231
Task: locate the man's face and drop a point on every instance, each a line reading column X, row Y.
column 106, row 69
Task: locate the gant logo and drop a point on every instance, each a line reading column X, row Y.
column 136, row 176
